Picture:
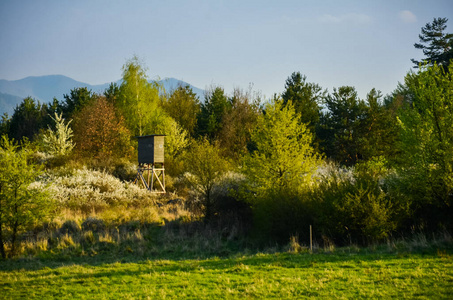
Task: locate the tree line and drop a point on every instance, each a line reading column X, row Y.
column 358, row 169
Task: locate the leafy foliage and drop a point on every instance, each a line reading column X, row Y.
column 139, row 99
column 88, row 191
column 427, row 144
column 279, row 170
column 205, row 166
column 21, row 205
column 350, row 205
column 394, row 155
column 58, row 142
column 183, row 106
column 238, row 123
column 284, row 157
column 100, row 132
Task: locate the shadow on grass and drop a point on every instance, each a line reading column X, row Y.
column 184, row 247
column 171, row 261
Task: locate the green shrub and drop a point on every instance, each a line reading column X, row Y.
column 88, row 238
column 22, row 203
column 351, row 206
column 205, row 166
column 227, row 201
column 283, row 214
column 125, row 170
column 69, row 227
column 93, row 224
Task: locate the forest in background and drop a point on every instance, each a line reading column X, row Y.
column 357, row 170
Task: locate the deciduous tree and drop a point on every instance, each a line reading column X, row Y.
column 427, row 144
column 21, row 206
column 284, row 157
column 100, row 132
column 139, row 99
column 58, row 141
column 205, row 166
column 238, row 123
column 183, row 106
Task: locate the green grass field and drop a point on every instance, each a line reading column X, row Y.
column 341, row 275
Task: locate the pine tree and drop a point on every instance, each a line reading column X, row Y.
column 305, row 97
column 437, row 45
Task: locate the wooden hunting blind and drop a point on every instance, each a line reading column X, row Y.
column 151, row 149
column 151, row 162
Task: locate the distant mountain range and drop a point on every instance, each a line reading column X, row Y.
column 45, row 88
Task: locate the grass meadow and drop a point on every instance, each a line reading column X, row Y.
column 393, row 271
column 119, row 243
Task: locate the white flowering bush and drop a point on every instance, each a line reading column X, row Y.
column 59, row 141
column 89, row 190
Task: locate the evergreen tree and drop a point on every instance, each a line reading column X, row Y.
column 213, row 110
column 28, row 118
column 380, row 128
column 5, row 124
column 76, row 100
column 342, row 126
column 112, row 93
column 437, row 45
column 306, row 98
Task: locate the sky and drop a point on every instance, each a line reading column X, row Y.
column 234, row 44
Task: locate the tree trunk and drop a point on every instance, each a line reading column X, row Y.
column 13, row 239
column 2, row 246
column 15, row 226
column 208, row 212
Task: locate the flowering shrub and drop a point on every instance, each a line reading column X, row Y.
column 89, row 190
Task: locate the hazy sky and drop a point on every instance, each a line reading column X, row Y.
column 365, row 44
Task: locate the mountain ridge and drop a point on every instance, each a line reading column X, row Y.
column 45, row 88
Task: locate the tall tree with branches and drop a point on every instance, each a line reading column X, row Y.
column 139, row 99
column 437, row 45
